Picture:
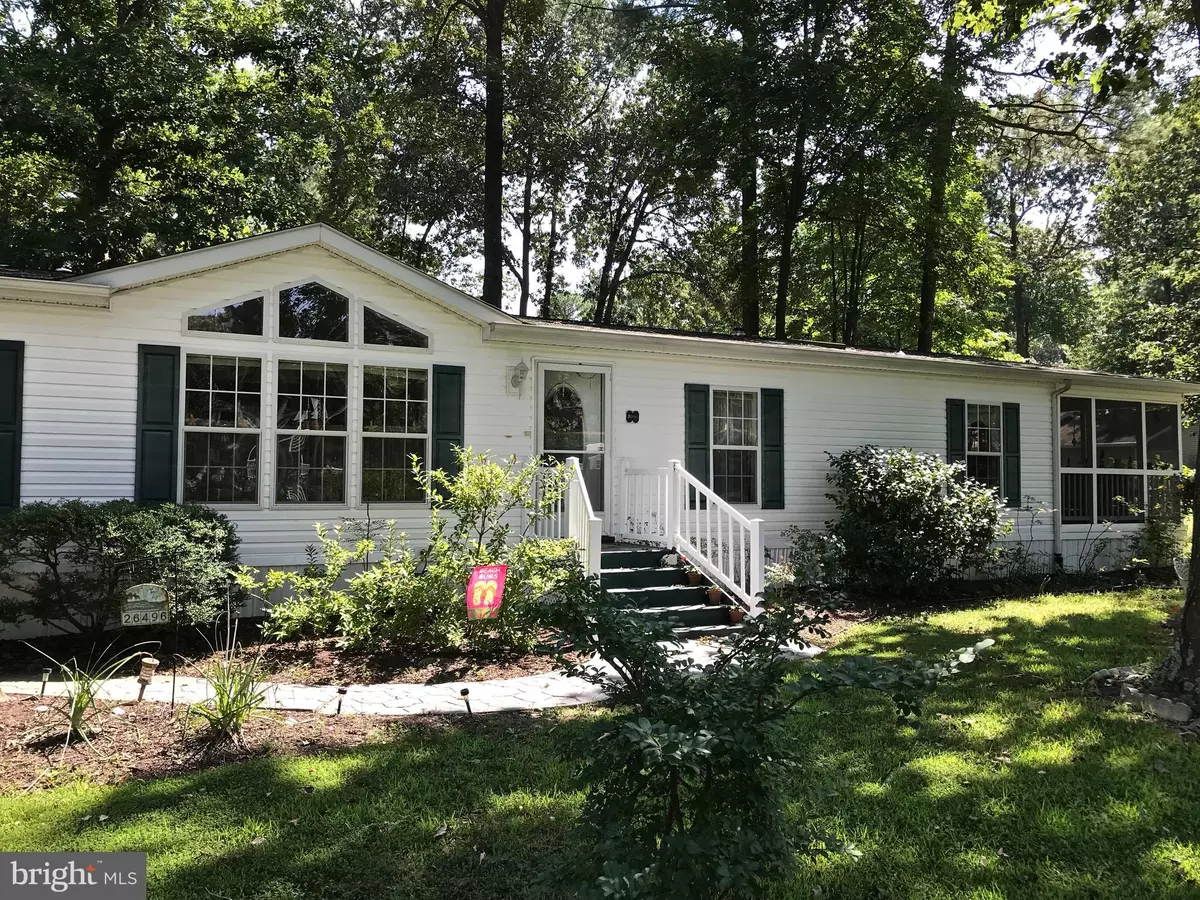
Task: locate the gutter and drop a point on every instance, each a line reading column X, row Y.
column 1056, row 478
column 55, row 293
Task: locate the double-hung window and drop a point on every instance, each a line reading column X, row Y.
column 222, row 413
column 735, row 445
column 1119, row 458
column 311, row 432
column 395, row 424
column 984, row 443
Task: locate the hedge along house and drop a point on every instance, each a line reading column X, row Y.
column 288, row 378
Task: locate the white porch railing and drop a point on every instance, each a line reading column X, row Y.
column 574, row 518
column 716, row 538
column 643, row 508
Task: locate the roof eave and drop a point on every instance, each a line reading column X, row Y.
column 55, row 293
column 582, row 337
column 191, row 262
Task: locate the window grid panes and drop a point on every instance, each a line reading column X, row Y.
column 735, row 438
column 222, row 416
column 395, row 426
column 984, row 443
column 1135, row 448
column 311, row 414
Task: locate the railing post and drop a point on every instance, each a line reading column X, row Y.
column 674, row 492
column 757, row 565
column 622, row 511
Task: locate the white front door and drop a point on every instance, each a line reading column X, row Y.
column 573, row 413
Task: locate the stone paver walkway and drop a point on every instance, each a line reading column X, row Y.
column 527, row 692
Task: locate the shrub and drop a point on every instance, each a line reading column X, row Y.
column 68, row 563
column 484, row 515
column 684, row 783
column 908, row 521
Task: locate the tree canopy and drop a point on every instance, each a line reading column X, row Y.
column 1016, row 180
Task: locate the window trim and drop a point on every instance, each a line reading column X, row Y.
column 713, row 446
column 999, row 454
column 353, row 316
column 1095, row 470
column 360, row 501
column 263, row 338
column 184, row 428
column 390, row 348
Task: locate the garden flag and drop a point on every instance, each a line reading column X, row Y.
column 485, row 590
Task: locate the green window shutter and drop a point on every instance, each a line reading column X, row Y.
column 448, row 431
column 772, row 448
column 956, row 431
column 12, row 360
column 1012, row 453
column 157, row 424
column 695, row 431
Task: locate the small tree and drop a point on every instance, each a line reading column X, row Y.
column 908, row 521
column 684, row 784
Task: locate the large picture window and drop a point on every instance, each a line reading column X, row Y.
column 395, row 424
column 1116, row 458
column 311, row 431
column 221, row 429
column 735, row 445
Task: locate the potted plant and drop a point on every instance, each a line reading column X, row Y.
column 736, row 614
column 694, row 576
column 715, row 597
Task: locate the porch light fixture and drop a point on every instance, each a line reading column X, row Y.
column 519, row 373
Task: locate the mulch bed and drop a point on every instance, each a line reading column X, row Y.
column 310, row 662
column 150, row 740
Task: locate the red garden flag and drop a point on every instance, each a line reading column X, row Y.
column 485, row 590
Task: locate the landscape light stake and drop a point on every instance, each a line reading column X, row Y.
column 149, row 664
column 45, row 678
column 466, row 695
column 341, row 695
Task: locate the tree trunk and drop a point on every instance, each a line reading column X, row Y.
column 526, row 236
column 493, row 157
column 1019, row 312
column 1184, row 666
column 940, row 154
column 548, row 268
column 748, row 286
column 797, row 192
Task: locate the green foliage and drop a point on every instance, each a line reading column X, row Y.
column 82, row 684
column 68, row 563
column 484, row 515
column 685, row 785
column 908, row 521
column 236, row 692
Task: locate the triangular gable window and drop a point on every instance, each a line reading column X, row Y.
column 242, row 317
column 386, row 331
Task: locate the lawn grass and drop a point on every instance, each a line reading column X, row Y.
column 1016, row 784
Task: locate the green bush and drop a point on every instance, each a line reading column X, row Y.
column 684, row 783
column 908, row 521
column 484, row 515
column 67, row 564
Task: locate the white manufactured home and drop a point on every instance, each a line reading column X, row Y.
column 286, row 379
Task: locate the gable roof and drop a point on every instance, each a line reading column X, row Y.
column 219, row 256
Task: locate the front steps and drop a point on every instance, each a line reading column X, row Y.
column 639, row 581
